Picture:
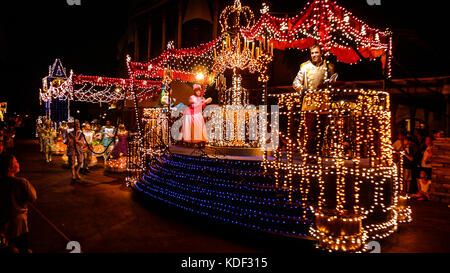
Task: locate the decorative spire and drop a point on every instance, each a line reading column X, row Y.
column 230, row 18
column 265, row 8
column 237, row 4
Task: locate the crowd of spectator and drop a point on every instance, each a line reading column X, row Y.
column 414, row 151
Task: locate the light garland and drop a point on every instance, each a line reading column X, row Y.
column 117, row 165
column 113, row 89
column 362, row 118
column 332, row 26
column 138, row 141
column 389, row 55
column 233, row 126
column 234, row 13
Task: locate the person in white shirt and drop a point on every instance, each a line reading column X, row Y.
column 312, row 75
column 398, row 147
column 87, row 149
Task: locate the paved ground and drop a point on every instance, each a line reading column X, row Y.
column 106, row 217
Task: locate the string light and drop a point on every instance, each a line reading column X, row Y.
column 234, row 13
column 358, row 119
column 224, row 199
column 88, row 90
column 332, row 26
column 265, row 8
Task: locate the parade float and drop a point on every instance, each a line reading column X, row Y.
column 258, row 169
column 344, row 194
column 60, row 89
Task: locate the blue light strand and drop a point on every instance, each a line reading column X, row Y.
column 220, row 194
column 217, row 160
column 177, row 185
column 220, row 182
column 213, row 169
column 231, row 195
column 253, row 226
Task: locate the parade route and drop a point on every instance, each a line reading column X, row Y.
column 106, row 217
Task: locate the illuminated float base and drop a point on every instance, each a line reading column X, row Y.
column 234, row 189
column 65, row 160
column 59, row 152
column 339, row 233
column 221, row 152
column 118, row 165
column 404, row 213
column 230, row 190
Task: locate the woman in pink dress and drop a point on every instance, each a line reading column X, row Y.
column 194, row 129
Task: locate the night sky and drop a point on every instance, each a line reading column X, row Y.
column 33, row 34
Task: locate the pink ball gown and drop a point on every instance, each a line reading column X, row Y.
column 194, row 129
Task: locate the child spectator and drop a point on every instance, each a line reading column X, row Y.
column 423, row 183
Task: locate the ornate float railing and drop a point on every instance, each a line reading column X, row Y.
column 148, row 144
column 336, row 157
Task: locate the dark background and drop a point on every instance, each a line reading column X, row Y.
column 86, row 37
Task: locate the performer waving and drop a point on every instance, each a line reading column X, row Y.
column 194, row 129
column 314, row 73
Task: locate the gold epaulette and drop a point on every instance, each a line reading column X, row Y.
column 303, row 64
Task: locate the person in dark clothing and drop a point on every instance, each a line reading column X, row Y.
column 15, row 195
column 409, row 161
